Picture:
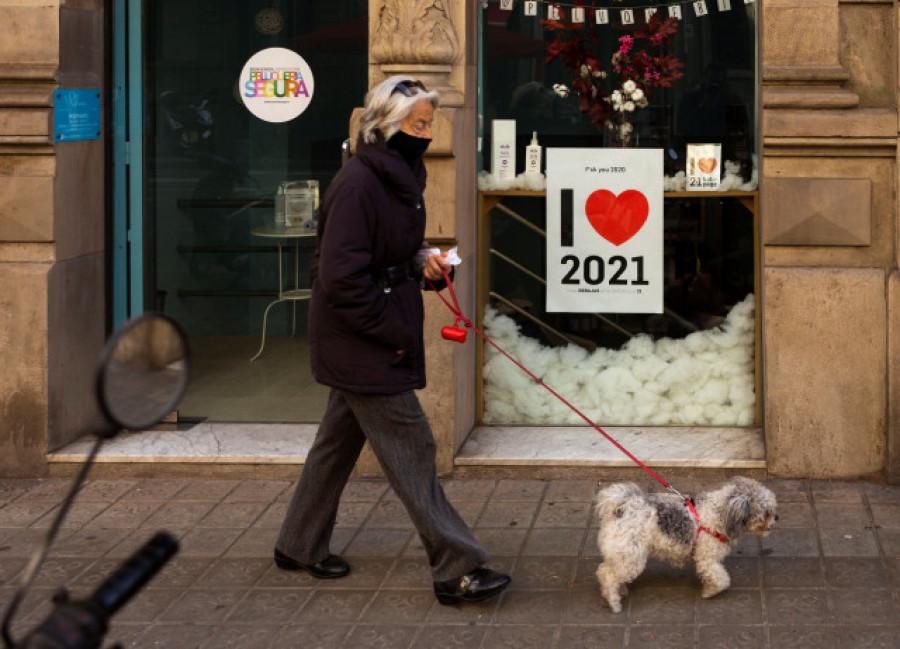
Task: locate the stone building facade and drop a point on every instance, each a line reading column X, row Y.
column 828, row 225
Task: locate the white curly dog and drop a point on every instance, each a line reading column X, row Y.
column 635, row 527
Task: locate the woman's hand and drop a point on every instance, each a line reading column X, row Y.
column 435, row 266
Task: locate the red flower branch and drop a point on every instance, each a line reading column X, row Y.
column 639, row 65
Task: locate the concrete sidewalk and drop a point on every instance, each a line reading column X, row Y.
column 828, row 576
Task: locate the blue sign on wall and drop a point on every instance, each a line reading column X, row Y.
column 76, row 114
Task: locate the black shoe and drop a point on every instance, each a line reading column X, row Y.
column 476, row 586
column 331, row 567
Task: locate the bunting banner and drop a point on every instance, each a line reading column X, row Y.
column 579, row 14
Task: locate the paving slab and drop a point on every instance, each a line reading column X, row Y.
column 827, row 577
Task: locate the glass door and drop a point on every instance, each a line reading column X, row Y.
column 211, row 170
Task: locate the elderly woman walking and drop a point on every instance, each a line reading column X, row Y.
column 365, row 331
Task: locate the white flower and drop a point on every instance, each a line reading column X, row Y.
column 629, row 106
column 642, row 103
column 625, row 128
column 616, row 97
column 638, row 94
column 561, row 90
column 629, row 86
column 585, row 71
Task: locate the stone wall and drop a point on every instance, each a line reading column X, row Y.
column 829, row 234
column 828, row 226
column 52, row 260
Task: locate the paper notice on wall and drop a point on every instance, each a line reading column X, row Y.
column 704, row 167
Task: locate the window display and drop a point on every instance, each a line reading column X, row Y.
column 657, row 77
column 677, row 78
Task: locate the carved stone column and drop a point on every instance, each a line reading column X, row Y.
column 801, row 63
column 828, row 228
column 416, row 37
column 425, row 39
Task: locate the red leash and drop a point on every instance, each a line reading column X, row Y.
column 460, row 317
column 459, row 335
column 689, row 503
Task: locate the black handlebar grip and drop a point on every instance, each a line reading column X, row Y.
column 131, row 576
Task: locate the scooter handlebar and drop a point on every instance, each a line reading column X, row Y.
column 131, row 576
column 82, row 624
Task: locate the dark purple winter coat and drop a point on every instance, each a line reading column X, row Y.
column 372, row 217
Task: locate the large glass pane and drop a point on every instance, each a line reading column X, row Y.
column 695, row 363
column 212, row 170
column 714, row 100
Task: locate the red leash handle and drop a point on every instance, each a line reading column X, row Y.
column 453, row 333
column 459, row 316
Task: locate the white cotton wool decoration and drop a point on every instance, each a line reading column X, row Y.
column 572, row 355
column 531, row 182
column 681, row 396
column 697, row 342
column 641, row 346
column 742, row 395
column 643, row 413
column 714, row 391
column 668, row 348
column 691, row 412
column 499, row 410
column 617, row 380
column 647, row 369
column 718, row 415
column 676, row 183
column 660, row 419
column 746, row 418
column 684, row 370
column 707, row 380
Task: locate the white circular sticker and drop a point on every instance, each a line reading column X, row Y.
column 276, row 84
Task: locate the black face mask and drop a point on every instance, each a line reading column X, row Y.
column 410, row 147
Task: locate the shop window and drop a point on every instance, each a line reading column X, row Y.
column 696, row 362
column 215, row 176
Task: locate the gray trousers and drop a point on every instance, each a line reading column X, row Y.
column 400, row 436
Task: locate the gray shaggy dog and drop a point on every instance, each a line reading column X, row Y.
column 635, row 527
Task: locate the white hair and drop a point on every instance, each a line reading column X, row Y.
column 385, row 109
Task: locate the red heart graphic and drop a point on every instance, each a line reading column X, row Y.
column 707, row 165
column 617, row 218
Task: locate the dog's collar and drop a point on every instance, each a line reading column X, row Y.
column 689, row 503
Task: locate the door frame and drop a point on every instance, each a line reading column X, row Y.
column 128, row 162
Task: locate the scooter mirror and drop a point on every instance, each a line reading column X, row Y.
column 143, row 372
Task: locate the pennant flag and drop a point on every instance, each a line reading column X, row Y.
column 577, row 13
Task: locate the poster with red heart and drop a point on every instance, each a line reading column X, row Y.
column 605, row 230
column 704, row 167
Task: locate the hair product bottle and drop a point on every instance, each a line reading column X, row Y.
column 503, row 149
column 533, row 156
